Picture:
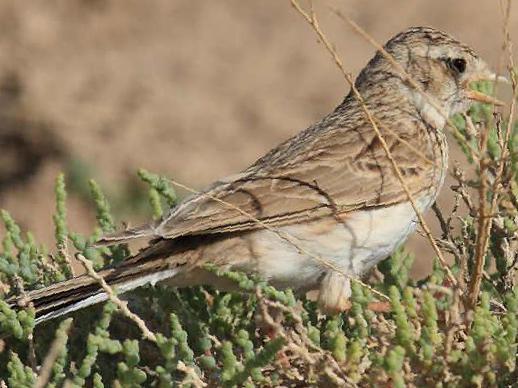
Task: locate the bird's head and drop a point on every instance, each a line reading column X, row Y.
column 441, row 66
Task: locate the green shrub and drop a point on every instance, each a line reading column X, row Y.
column 267, row 337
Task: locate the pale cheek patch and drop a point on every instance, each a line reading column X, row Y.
column 428, row 111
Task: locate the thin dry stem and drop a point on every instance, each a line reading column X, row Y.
column 313, row 22
column 292, row 240
column 50, row 358
column 483, row 224
column 444, row 225
column 408, row 78
column 298, row 342
column 191, row 378
column 123, row 306
column 485, row 218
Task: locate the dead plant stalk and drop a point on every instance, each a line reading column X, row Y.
column 112, row 296
column 485, row 220
column 313, row 22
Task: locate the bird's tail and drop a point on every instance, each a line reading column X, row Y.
column 147, row 267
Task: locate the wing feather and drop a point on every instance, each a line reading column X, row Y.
column 339, row 171
column 332, row 168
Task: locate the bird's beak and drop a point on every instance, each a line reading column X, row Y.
column 481, row 97
column 485, row 74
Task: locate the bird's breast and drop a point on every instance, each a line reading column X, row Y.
column 353, row 246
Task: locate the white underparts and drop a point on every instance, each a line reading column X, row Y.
column 354, row 246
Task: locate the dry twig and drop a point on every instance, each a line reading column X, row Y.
column 485, row 218
column 313, row 22
column 53, row 353
column 122, row 305
column 289, row 238
column 191, row 378
column 406, row 77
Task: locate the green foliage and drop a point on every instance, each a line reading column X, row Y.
column 334, row 338
column 61, row 230
column 430, row 337
column 128, row 374
column 405, row 334
column 396, row 271
column 9, row 321
column 20, row 375
column 106, row 224
column 60, row 363
column 161, row 185
column 261, row 336
column 156, row 205
column 394, row 366
column 97, row 337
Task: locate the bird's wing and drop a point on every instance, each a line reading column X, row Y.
column 310, row 176
column 328, row 169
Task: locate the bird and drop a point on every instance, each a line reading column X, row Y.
column 322, row 208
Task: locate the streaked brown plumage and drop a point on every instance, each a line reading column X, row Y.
column 331, row 186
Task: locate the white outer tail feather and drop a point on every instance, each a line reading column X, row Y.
column 102, row 296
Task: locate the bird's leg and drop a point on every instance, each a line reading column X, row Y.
column 335, row 291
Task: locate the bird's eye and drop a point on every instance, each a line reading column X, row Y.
column 457, row 64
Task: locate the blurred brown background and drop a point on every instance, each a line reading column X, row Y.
column 194, row 89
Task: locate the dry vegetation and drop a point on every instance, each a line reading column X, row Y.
column 456, row 327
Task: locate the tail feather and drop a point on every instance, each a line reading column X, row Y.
column 147, row 267
column 59, row 298
column 61, row 303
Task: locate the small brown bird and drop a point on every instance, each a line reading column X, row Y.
column 331, row 189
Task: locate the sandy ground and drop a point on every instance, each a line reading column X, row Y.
column 191, row 88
